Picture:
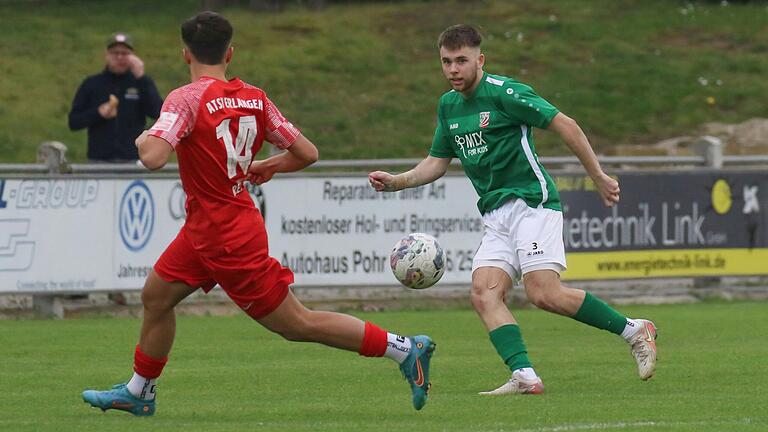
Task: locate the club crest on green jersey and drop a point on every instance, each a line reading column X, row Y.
column 485, row 118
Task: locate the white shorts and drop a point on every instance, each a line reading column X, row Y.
column 519, row 239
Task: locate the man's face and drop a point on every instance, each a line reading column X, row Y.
column 118, row 58
column 461, row 67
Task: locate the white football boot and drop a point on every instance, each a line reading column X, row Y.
column 518, row 385
column 643, row 349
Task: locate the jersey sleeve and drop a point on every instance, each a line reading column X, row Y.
column 176, row 119
column 441, row 146
column 280, row 132
column 522, row 104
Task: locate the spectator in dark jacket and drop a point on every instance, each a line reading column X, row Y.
column 115, row 104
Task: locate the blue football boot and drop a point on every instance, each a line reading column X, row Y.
column 119, row 398
column 415, row 368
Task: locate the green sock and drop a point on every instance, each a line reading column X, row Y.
column 509, row 344
column 597, row 313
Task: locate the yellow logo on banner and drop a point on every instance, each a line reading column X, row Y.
column 721, row 197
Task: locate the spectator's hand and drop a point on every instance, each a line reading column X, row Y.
column 608, row 188
column 136, row 66
column 108, row 109
column 260, row 171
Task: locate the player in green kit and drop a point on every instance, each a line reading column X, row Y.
column 487, row 122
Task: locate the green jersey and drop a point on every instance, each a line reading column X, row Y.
column 491, row 133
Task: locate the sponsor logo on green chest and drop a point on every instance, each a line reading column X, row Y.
column 471, row 144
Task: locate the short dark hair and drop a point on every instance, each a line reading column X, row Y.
column 458, row 36
column 207, row 35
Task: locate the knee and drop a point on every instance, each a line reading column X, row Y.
column 154, row 302
column 542, row 299
column 542, row 295
column 483, row 297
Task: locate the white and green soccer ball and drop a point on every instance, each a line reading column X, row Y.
column 418, row 261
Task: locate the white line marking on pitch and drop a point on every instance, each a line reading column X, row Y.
column 624, row 425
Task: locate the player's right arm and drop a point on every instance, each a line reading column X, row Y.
column 176, row 120
column 427, row 171
column 154, row 152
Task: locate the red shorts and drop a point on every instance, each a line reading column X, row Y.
column 255, row 281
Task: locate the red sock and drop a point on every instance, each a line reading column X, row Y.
column 146, row 366
column 374, row 341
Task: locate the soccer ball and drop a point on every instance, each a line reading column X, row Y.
column 418, row 261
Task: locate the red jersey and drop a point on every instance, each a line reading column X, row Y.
column 216, row 128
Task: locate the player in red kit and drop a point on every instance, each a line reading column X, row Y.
column 216, row 126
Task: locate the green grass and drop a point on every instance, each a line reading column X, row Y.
column 229, row 374
column 362, row 81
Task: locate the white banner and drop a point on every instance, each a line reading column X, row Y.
column 84, row 234
column 339, row 231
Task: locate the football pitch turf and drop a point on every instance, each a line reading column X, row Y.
column 229, row 374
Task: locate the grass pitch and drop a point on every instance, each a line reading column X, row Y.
column 229, row 374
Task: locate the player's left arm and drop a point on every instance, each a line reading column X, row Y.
column 299, row 155
column 577, row 142
column 154, row 152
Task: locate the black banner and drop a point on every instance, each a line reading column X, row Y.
column 667, row 224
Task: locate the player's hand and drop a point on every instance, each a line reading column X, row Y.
column 259, row 172
column 141, row 138
column 382, row 181
column 608, row 188
column 136, row 65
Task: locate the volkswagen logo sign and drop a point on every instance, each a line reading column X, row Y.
column 257, row 195
column 176, row 200
column 136, row 216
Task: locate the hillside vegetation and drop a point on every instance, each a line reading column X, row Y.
column 362, row 81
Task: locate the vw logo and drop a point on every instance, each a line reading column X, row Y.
column 136, row 216
column 176, row 200
column 257, row 195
